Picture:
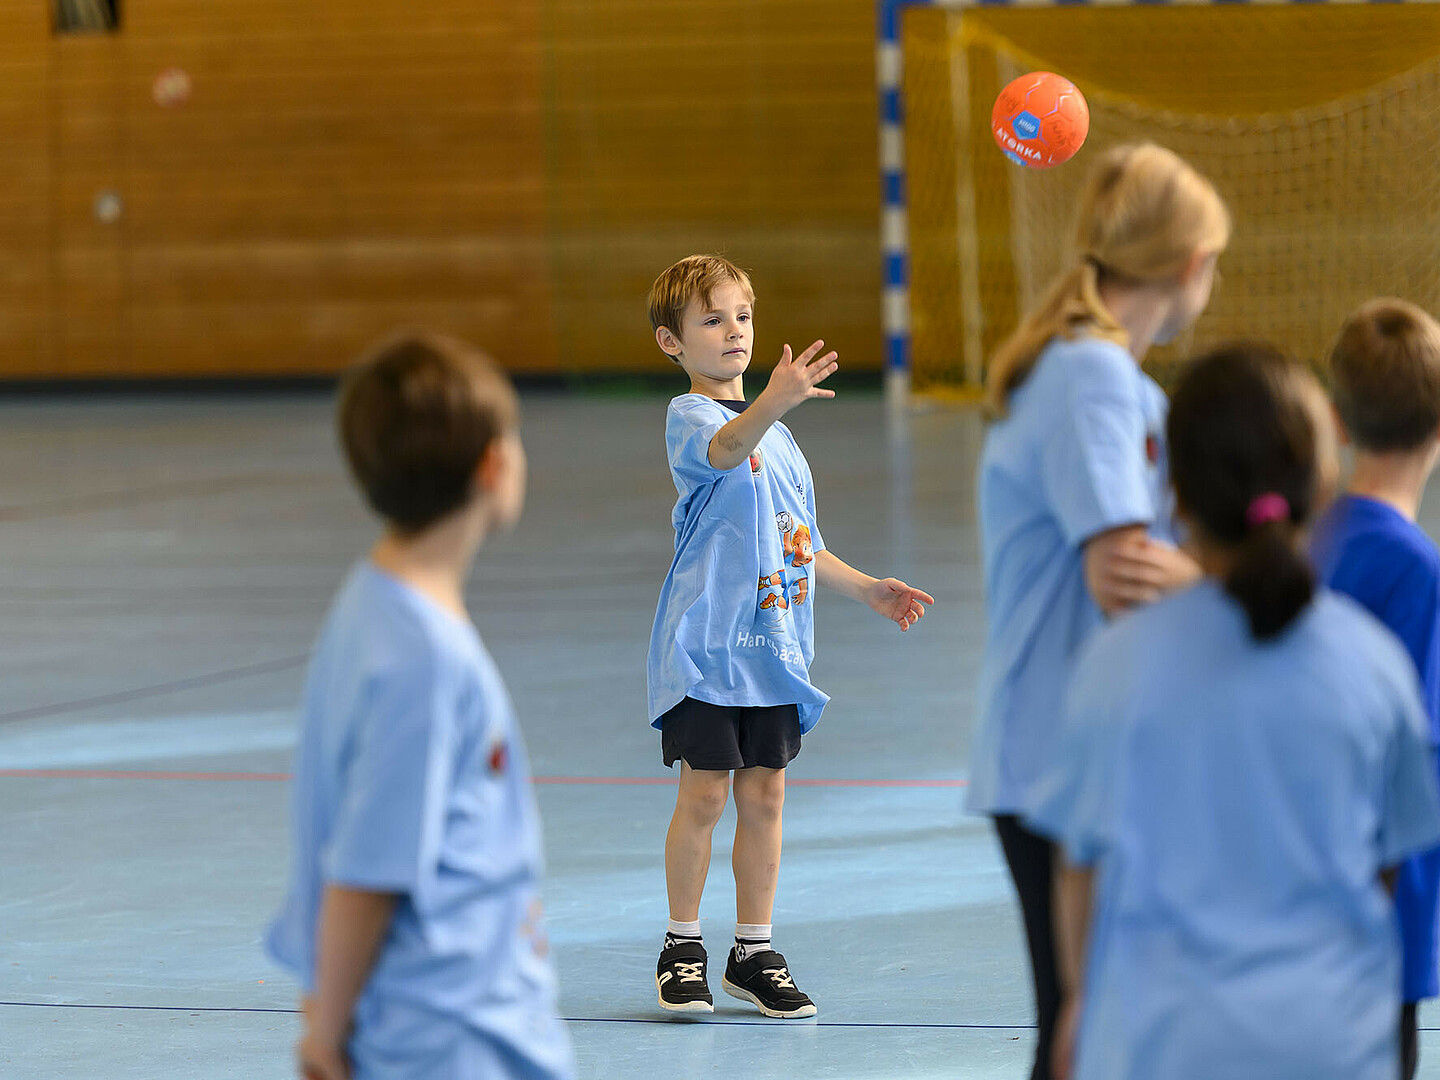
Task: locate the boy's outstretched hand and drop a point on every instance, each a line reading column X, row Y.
column 792, row 382
column 795, row 380
column 900, row 603
column 891, row 597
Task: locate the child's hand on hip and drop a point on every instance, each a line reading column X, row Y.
column 900, row 603
column 794, row 380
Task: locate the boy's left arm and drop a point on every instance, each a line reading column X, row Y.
column 352, row 927
column 900, row 603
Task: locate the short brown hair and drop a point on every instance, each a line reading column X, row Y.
column 415, row 417
column 1385, row 375
column 692, row 276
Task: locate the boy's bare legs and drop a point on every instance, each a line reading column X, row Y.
column 698, row 807
column 759, row 801
column 680, row 978
column 755, row 972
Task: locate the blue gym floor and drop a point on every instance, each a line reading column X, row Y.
column 164, row 566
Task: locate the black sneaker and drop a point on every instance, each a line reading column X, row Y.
column 763, row 979
column 680, row 978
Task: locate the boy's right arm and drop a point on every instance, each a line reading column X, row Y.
column 353, row 925
column 792, row 381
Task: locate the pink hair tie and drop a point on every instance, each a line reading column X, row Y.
column 1266, row 508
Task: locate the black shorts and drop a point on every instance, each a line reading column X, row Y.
column 719, row 738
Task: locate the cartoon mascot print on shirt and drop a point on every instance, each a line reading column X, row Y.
column 781, row 589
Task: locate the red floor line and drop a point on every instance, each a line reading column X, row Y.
column 802, row 782
column 132, row 774
column 608, row 781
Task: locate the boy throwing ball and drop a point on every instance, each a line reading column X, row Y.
column 730, row 653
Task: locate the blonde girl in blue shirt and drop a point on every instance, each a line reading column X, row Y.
column 1074, row 520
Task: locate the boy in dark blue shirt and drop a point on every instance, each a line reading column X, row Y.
column 1385, row 377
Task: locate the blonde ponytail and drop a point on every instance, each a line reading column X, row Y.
column 1144, row 214
column 1071, row 306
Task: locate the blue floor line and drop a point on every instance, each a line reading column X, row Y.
column 792, row 1023
column 213, row 678
column 124, row 500
column 567, row 1019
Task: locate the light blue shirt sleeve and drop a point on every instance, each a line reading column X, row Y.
column 1410, row 804
column 1076, row 804
column 1092, row 464
column 690, row 424
column 390, row 822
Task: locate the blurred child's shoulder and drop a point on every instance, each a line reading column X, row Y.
column 1177, row 612
column 1089, row 365
column 1386, row 541
column 1086, row 354
column 1354, row 632
column 1125, row 641
column 1412, row 557
column 1419, row 550
column 389, row 622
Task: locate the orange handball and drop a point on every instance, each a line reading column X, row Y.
column 1040, row 120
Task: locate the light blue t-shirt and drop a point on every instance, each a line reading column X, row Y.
column 1238, row 801
column 411, row 778
column 735, row 624
column 1081, row 451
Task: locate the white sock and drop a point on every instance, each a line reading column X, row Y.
column 751, row 938
column 682, row 931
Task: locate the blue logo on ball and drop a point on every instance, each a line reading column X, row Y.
column 1026, row 125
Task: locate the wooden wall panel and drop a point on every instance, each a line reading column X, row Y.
column 90, row 316
column 342, row 167
column 748, row 127
column 345, row 166
column 515, row 173
column 25, row 311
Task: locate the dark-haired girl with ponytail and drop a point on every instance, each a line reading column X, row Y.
column 1240, row 765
